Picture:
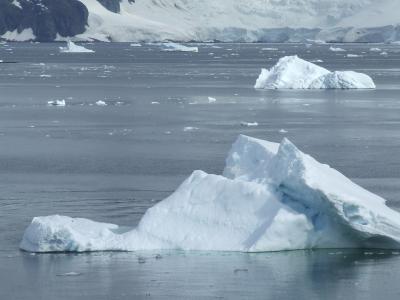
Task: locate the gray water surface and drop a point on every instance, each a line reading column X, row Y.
column 110, row 163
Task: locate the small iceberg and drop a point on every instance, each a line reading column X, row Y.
column 292, row 72
column 56, row 103
column 178, row 47
column 353, row 55
column 73, row 48
column 249, row 124
column 101, row 103
column 271, row 197
column 336, row 49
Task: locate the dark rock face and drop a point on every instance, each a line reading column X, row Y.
column 45, row 17
column 111, row 5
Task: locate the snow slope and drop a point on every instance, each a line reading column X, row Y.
column 237, row 20
column 272, row 197
column 292, row 72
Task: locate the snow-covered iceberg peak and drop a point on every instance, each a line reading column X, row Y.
column 272, row 197
column 292, row 72
column 73, row 48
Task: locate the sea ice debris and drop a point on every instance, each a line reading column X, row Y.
column 73, row 48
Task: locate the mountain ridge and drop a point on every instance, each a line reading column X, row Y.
column 201, row 20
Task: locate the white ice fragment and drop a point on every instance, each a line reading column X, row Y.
column 269, row 49
column 178, row 47
column 56, row 103
column 211, row 99
column 155, row 102
column 136, row 45
column 73, row 48
column 249, row 124
column 336, row 49
column 353, row 55
column 190, row 128
column 282, row 131
column 292, row 72
column 101, row 103
column 70, row 274
column 375, row 49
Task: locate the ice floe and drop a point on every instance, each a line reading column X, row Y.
column 292, row 72
column 270, row 197
column 56, row 103
column 73, row 48
column 178, row 47
column 249, row 124
column 336, row 49
column 101, row 103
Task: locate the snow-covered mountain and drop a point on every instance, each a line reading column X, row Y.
column 204, row 20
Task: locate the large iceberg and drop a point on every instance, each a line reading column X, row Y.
column 292, row 72
column 74, row 48
column 270, row 197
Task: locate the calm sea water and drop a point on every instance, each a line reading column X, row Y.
column 110, row 163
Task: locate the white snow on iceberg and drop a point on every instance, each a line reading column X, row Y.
column 292, row 72
column 73, row 48
column 271, row 197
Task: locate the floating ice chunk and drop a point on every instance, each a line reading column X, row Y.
column 178, row 47
column 282, row 131
column 336, row 49
column 155, row 102
column 384, row 53
column 375, row 49
column 136, row 45
column 269, row 49
column 101, row 103
column 73, row 48
column 249, row 124
column 353, row 55
column 211, row 100
column 70, row 274
column 272, row 197
column 292, row 72
column 56, row 103
column 190, row 128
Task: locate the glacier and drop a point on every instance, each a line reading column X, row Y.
column 244, row 21
column 292, row 72
column 271, row 197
